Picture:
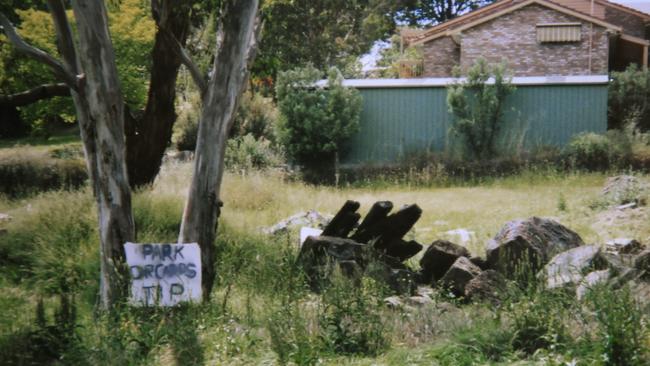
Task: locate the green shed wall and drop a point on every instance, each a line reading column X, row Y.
column 398, row 121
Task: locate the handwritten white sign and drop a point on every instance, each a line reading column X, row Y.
column 164, row 274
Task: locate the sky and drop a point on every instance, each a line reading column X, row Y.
column 368, row 60
column 643, row 5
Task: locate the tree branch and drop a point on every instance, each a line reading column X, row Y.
column 65, row 41
column 186, row 60
column 38, row 54
column 161, row 16
column 33, row 95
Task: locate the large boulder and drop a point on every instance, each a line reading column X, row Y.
column 523, row 246
column 438, row 258
column 570, row 267
column 489, row 286
column 461, row 272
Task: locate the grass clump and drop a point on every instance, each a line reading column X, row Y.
column 26, row 171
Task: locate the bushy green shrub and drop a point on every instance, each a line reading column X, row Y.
column 539, row 319
column 186, row 128
column 246, row 153
column 593, row 151
column 256, row 115
column 315, row 121
column 623, row 331
column 478, row 108
column 24, row 171
column 629, row 99
column 350, row 317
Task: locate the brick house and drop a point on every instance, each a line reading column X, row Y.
column 539, row 38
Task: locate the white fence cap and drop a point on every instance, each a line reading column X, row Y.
column 439, row 82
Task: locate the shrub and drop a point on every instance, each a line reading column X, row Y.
column 478, row 106
column 623, row 329
column 24, row 171
column 246, row 153
column 350, row 318
column 315, row 121
column 629, row 99
column 593, row 151
column 539, row 319
column 257, row 116
column 186, row 127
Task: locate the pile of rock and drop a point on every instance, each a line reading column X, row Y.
column 521, row 249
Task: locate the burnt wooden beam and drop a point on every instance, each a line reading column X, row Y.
column 344, row 220
column 377, row 213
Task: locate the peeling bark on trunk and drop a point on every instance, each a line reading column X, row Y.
column 100, row 113
column 240, row 25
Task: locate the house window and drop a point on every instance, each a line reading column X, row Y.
column 558, row 32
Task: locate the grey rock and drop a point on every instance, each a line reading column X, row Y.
column 393, row 302
column 308, row 218
column 569, row 267
column 438, row 258
column 418, row 301
column 459, row 275
column 5, row 217
column 489, row 285
column 590, row 280
column 624, row 246
column 624, row 189
column 424, row 291
column 527, row 245
column 479, row 262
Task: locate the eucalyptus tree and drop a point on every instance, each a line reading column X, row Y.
column 88, row 69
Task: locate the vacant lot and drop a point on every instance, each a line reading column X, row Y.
column 262, row 313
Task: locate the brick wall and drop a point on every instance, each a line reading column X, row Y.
column 632, row 24
column 513, row 37
column 440, row 56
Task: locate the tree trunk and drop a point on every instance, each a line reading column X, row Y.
column 147, row 136
column 239, row 23
column 100, row 113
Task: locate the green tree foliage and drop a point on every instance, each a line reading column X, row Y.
column 133, row 32
column 629, row 99
column 393, row 54
column 321, row 32
column 315, row 121
column 477, row 105
column 425, row 13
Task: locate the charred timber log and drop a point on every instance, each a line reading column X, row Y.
column 377, row 213
column 344, row 221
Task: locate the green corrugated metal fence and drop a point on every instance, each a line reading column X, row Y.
column 398, row 121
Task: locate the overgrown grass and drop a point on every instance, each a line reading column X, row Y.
column 26, row 170
column 262, row 311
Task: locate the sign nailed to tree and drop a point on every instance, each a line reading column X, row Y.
column 164, row 274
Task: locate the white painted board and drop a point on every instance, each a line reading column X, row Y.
column 308, row 231
column 164, row 274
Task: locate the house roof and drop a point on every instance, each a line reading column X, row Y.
column 502, row 7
